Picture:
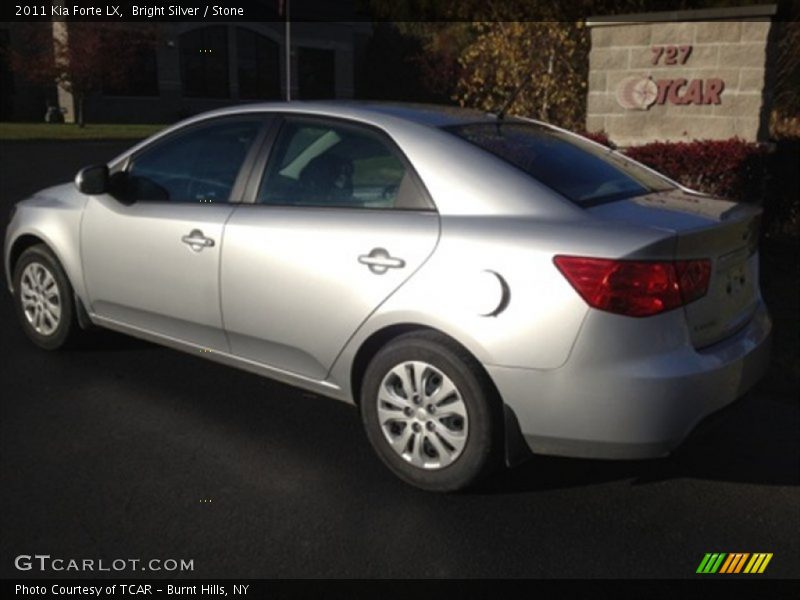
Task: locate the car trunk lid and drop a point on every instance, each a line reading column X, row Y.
column 726, row 233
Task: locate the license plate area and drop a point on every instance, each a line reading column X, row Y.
column 735, row 281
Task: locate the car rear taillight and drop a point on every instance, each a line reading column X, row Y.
column 693, row 277
column 635, row 288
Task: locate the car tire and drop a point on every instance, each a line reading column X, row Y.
column 44, row 299
column 445, row 448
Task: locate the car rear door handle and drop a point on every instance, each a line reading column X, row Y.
column 197, row 241
column 379, row 261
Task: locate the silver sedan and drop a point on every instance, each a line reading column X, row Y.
column 481, row 287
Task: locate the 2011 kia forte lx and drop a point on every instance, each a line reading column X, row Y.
column 480, row 286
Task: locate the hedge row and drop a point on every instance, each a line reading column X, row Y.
column 732, row 168
column 768, row 175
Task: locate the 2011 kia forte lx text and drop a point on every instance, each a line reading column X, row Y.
column 480, row 286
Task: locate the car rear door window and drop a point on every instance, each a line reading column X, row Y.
column 315, row 163
column 197, row 166
column 579, row 170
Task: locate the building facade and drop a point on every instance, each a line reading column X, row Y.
column 196, row 66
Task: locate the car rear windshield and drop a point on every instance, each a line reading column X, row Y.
column 584, row 173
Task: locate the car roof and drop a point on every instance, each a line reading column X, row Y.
column 375, row 112
column 434, row 115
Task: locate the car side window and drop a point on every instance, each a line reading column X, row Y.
column 198, row 166
column 336, row 165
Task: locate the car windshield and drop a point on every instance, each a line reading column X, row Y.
column 584, row 173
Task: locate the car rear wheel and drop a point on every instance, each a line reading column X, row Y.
column 430, row 412
column 43, row 298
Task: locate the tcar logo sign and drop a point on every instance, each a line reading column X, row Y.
column 637, row 93
column 640, row 93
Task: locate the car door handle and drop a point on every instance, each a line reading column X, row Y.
column 197, row 241
column 379, row 261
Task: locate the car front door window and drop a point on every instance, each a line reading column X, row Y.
column 199, row 166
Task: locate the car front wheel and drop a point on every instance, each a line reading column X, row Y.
column 43, row 298
column 430, row 412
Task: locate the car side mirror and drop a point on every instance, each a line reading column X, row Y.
column 92, row 180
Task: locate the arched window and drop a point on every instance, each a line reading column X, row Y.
column 258, row 65
column 204, row 62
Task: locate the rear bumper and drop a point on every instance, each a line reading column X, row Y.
column 620, row 400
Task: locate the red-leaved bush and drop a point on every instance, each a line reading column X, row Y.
column 733, row 169
column 601, row 137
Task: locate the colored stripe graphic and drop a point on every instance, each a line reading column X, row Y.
column 765, row 563
column 741, row 562
column 729, row 562
column 758, row 563
column 711, row 562
column 717, row 564
column 703, row 563
column 734, row 562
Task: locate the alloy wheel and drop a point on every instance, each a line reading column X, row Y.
column 40, row 298
column 422, row 415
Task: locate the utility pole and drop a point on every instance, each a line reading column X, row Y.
column 288, row 52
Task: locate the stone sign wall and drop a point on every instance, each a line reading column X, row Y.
column 680, row 76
